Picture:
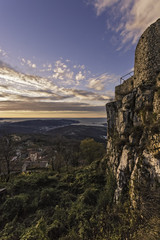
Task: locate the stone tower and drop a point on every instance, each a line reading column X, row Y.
column 147, row 55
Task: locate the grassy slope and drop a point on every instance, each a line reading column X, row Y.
column 67, row 205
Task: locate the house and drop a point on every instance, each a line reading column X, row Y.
column 34, row 155
column 29, row 165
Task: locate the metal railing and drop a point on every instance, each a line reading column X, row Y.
column 125, row 77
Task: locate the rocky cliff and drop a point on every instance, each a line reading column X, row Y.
column 133, row 146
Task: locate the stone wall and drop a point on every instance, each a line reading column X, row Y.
column 123, row 89
column 156, row 100
column 147, row 55
column 133, row 119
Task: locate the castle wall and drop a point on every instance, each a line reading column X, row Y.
column 123, row 89
column 133, row 119
column 147, row 55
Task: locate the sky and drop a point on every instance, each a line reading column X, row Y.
column 63, row 58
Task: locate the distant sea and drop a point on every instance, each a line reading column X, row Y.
column 82, row 121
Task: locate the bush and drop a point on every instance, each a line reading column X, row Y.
column 15, row 206
column 21, row 185
column 56, row 229
column 90, row 196
column 37, row 232
column 47, row 197
column 91, row 150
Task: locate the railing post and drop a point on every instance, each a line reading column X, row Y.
column 123, row 77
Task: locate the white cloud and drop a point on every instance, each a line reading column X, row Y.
column 28, row 63
column 96, row 84
column 63, row 83
column 10, row 77
column 82, row 67
column 21, row 91
column 69, row 75
column 144, row 12
column 23, row 60
column 3, row 53
column 62, row 72
column 79, row 77
column 46, row 67
column 132, row 16
column 101, row 5
column 16, row 86
column 88, row 97
column 33, row 65
column 101, row 82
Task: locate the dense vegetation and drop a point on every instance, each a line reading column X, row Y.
column 75, row 202
column 71, row 205
column 51, row 205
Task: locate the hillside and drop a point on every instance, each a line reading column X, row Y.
column 99, row 197
column 72, row 205
column 53, row 128
column 33, row 126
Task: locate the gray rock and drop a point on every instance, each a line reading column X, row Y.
column 133, row 128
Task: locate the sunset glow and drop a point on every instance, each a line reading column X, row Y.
column 64, row 58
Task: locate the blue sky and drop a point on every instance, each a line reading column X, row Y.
column 63, row 58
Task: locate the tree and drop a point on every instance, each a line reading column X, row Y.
column 56, row 153
column 7, row 152
column 74, row 153
column 63, row 152
column 91, row 150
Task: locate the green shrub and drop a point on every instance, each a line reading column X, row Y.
column 71, row 236
column 37, row 232
column 16, row 206
column 91, row 150
column 48, row 197
column 22, row 185
column 56, row 229
column 90, row 196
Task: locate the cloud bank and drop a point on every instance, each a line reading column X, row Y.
column 129, row 17
column 23, row 92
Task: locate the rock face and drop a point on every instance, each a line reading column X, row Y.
column 147, row 56
column 134, row 118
